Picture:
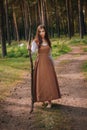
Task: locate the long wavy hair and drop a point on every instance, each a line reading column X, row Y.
column 38, row 38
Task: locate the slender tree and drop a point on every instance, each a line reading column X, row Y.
column 26, row 19
column 80, row 10
column 57, row 18
column 68, row 18
column 7, row 22
column 15, row 23
column 71, row 16
column 2, row 28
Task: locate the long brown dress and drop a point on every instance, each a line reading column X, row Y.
column 46, row 85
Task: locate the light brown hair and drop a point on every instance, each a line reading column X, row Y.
column 38, row 38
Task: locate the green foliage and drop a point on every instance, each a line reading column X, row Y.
column 85, row 66
column 85, row 49
column 78, row 41
column 11, row 72
column 17, row 51
column 84, row 69
column 60, row 47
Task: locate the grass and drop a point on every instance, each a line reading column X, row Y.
column 13, row 67
column 51, row 119
column 11, row 72
column 77, row 41
column 59, row 47
column 85, row 49
column 84, row 69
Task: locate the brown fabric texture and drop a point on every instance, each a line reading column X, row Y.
column 46, row 86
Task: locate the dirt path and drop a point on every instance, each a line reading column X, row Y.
column 68, row 113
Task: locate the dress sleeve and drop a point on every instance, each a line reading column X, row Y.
column 50, row 56
column 34, row 47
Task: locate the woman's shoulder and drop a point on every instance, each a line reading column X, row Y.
column 35, row 41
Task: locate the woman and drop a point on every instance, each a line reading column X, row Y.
column 46, row 87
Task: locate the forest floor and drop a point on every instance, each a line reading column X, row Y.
column 67, row 113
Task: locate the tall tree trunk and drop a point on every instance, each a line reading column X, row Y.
column 15, row 24
column 7, row 22
column 81, row 18
column 2, row 26
column 36, row 14
column 57, row 18
column 72, row 18
column 39, row 11
column 42, row 12
column 85, row 15
column 26, row 21
column 22, row 15
column 68, row 18
column 45, row 13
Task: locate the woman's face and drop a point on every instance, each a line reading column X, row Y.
column 42, row 32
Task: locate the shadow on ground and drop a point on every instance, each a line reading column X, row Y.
column 60, row 117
